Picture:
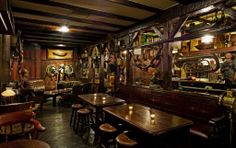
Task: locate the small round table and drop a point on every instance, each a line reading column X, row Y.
column 25, row 144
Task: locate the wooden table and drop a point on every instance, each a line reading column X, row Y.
column 25, row 144
column 140, row 117
column 55, row 93
column 99, row 101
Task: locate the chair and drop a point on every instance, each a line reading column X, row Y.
column 107, row 133
column 86, row 88
column 21, row 124
column 219, row 133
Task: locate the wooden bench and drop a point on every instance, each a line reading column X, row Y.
column 202, row 109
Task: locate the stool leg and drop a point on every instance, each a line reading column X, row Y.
column 75, row 117
column 77, row 122
column 71, row 117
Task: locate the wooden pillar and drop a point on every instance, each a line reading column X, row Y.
column 5, row 59
column 37, row 62
column 166, row 65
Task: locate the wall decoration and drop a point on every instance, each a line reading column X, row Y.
column 60, row 54
column 51, row 70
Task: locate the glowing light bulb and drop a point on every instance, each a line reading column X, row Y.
column 207, row 39
column 63, row 29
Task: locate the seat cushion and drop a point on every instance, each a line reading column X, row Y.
column 84, row 111
column 76, row 106
column 123, row 139
column 106, row 127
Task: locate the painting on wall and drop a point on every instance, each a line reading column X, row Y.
column 60, row 54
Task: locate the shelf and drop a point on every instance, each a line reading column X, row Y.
column 210, row 51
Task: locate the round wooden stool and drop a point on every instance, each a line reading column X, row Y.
column 25, row 144
column 84, row 118
column 74, row 107
column 107, row 133
column 123, row 141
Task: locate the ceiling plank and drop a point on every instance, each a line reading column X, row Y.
column 85, row 10
column 135, row 5
column 32, row 20
column 40, row 13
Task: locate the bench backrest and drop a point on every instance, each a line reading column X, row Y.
column 193, row 106
column 14, row 107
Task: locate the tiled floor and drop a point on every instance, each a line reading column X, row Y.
column 59, row 134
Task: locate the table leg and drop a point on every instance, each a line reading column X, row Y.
column 54, row 101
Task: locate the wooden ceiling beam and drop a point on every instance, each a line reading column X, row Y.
column 54, row 41
column 185, row 2
column 52, row 45
column 177, row 11
column 31, row 20
column 55, row 38
column 228, row 10
column 135, row 5
column 90, row 38
column 38, row 28
column 82, row 20
column 77, row 9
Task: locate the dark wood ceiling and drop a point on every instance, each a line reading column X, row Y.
column 89, row 20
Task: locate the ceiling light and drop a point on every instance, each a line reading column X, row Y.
column 207, row 39
column 61, row 45
column 63, row 29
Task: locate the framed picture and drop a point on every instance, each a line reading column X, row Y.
column 60, row 54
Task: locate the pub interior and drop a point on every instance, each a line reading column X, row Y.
column 117, row 73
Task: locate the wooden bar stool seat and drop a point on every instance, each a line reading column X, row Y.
column 107, row 133
column 124, row 141
column 106, row 127
column 74, row 107
column 84, row 118
column 83, row 111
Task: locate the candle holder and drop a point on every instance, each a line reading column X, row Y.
column 130, row 112
column 152, row 122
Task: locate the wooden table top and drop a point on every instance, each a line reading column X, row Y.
column 101, row 99
column 140, row 117
column 25, row 144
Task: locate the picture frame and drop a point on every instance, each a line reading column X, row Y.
column 59, row 54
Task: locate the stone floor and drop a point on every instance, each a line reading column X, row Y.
column 59, row 134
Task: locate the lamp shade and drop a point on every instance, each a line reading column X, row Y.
column 8, row 92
